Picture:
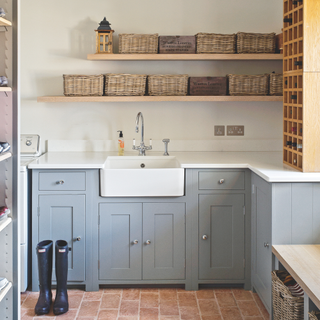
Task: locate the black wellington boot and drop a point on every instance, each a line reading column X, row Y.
column 44, row 253
column 60, row 304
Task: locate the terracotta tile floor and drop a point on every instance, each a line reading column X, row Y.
column 154, row 304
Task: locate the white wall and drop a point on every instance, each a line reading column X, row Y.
column 57, row 36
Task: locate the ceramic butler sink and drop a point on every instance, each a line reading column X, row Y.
column 141, row 176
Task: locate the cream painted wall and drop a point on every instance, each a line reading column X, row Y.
column 56, row 37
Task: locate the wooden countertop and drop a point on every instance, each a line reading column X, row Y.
column 303, row 263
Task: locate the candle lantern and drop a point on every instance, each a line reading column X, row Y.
column 104, row 37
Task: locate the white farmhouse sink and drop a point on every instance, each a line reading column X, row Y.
column 141, row 176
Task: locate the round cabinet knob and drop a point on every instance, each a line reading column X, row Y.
column 221, row 181
column 148, row 242
column 266, row 245
column 28, row 143
column 60, row 182
column 135, row 241
column 204, row 237
column 78, row 238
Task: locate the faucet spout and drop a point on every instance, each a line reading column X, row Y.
column 140, row 115
column 142, row 147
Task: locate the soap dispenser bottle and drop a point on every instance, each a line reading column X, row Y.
column 120, row 144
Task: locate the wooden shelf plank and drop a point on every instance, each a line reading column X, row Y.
column 157, row 98
column 5, row 156
column 5, row 223
column 5, row 89
column 5, row 23
column 5, row 290
column 168, row 57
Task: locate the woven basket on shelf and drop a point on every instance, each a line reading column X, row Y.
column 246, row 85
column 138, row 43
column 256, row 42
column 82, row 85
column 125, row 84
column 276, row 84
column 285, row 305
column 168, row 85
column 216, row 43
column 314, row 315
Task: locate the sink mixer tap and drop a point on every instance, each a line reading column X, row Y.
column 142, row 147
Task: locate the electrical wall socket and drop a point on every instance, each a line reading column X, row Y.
column 219, row 130
column 235, row 130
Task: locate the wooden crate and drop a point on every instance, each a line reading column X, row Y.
column 177, row 44
column 208, row 86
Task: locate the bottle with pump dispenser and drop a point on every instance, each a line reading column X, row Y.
column 120, row 144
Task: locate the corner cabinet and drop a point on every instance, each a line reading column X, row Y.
column 170, row 57
column 9, row 162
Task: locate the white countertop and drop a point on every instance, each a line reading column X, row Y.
column 268, row 165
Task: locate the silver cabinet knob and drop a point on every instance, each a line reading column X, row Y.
column 78, row 238
column 266, row 245
column 204, row 237
column 148, row 242
column 135, row 241
column 60, row 182
column 221, row 181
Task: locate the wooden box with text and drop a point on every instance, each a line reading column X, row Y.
column 208, row 86
column 177, row 44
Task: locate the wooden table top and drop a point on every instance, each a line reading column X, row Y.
column 303, row 263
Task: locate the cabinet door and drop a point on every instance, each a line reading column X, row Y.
column 164, row 227
column 261, row 236
column 221, row 237
column 62, row 217
column 119, row 255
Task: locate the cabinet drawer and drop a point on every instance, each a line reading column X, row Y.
column 62, row 181
column 221, row 180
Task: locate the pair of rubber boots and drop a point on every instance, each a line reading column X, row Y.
column 44, row 253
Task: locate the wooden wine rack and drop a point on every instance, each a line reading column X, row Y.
column 301, row 75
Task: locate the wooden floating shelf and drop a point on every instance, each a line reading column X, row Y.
column 5, row 22
column 5, row 290
column 5, row 89
column 5, row 156
column 181, row 57
column 5, row 223
column 157, row 98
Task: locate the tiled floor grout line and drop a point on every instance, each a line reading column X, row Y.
column 215, row 295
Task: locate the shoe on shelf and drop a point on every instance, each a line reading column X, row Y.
column 4, row 146
column 4, row 211
column 3, row 282
column 2, row 12
column 3, row 81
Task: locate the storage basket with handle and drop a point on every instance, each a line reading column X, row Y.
column 246, row 85
column 216, row 43
column 314, row 315
column 138, row 43
column 256, row 42
column 285, row 305
column 168, row 85
column 82, row 85
column 125, row 84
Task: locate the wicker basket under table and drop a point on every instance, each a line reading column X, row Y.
column 138, row 43
column 168, row 85
column 276, row 84
column 285, row 305
column 216, row 43
column 314, row 315
column 125, row 84
column 256, row 42
column 82, row 85
column 246, row 85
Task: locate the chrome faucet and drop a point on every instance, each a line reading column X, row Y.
column 142, row 147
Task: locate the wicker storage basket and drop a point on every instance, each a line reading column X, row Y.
column 256, row 42
column 138, row 43
column 82, row 85
column 168, row 85
column 216, row 43
column 276, row 84
column 314, row 315
column 125, row 84
column 246, row 85
column 285, row 306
